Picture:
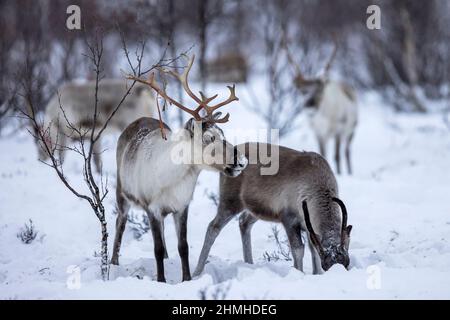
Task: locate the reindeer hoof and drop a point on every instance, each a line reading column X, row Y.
column 187, row 278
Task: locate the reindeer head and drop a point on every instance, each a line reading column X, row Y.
column 331, row 251
column 216, row 152
column 310, row 88
column 208, row 139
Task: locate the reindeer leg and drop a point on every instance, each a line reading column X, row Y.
column 246, row 221
column 122, row 212
column 337, row 155
column 347, row 153
column 316, row 262
column 180, row 219
column 322, row 148
column 214, row 228
column 158, row 243
column 293, row 229
column 166, row 255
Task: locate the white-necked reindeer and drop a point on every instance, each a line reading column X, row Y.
column 302, row 196
column 149, row 177
column 334, row 109
column 77, row 101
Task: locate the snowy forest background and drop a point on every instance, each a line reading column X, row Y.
column 396, row 197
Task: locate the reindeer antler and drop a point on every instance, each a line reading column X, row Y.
column 183, row 78
column 344, row 216
column 202, row 101
column 311, row 231
column 299, row 77
column 332, row 56
column 152, row 83
column 291, row 60
column 210, row 109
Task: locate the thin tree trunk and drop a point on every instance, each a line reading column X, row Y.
column 173, row 54
column 203, row 25
column 410, row 60
column 104, row 248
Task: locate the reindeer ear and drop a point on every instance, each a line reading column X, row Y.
column 190, row 126
column 138, row 89
column 217, row 115
column 349, row 229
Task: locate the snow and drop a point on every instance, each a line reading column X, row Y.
column 397, row 202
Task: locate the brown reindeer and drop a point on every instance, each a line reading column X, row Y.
column 302, row 196
column 75, row 101
column 150, row 176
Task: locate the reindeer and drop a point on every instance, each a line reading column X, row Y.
column 74, row 102
column 148, row 176
column 334, row 109
column 302, row 196
column 231, row 67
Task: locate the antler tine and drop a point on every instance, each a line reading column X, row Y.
column 152, row 83
column 344, row 212
column 183, row 78
column 207, row 100
column 309, row 226
column 224, row 119
column 202, row 102
column 298, row 71
column 231, row 98
column 332, row 57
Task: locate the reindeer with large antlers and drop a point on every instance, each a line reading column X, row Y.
column 158, row 172
column 334, row 108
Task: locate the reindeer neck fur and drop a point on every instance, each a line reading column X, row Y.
column 150, row 178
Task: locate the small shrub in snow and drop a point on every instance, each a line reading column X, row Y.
column 28, row 233
column 219, row 292
column 212, row 196
column 139, row 224
column 283, row 251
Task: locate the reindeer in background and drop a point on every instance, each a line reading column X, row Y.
column 334, row 109
column 148, row 175
column 74, row 102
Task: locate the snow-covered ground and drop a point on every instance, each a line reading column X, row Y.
column 398, row 203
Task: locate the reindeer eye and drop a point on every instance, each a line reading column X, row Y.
column 209, row 138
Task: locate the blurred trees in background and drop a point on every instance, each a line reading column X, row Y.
column 407, row 60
